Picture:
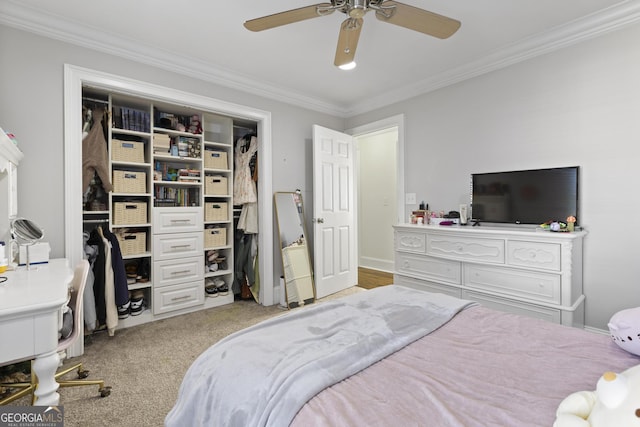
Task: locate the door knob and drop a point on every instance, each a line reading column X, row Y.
column 320, row 220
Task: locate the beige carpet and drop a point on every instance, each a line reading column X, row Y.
column 145, row 364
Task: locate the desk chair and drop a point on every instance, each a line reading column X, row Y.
column 79, row 282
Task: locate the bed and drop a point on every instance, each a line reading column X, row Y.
column 394, row 356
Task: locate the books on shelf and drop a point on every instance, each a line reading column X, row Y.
column 131, row 119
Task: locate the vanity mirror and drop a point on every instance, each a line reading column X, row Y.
column 25, row 233
column 296, row 261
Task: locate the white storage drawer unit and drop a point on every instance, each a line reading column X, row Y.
column 535, row 273
column 178, row 261
column 170, row 272
column 177, row 245
column 177, row 220
column 176, row 297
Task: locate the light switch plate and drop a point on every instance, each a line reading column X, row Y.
column 410, row 198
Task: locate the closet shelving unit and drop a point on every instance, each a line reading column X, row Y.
column 129, row 202
column 162, row 219
column 218, row 197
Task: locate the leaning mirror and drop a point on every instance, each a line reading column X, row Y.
column 296, row 262
column 25, row 233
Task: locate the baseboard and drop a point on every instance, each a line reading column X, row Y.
column 376, row 264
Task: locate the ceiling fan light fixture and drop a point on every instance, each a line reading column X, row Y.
column 348, row 66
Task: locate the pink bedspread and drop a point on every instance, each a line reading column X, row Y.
column 483, row 368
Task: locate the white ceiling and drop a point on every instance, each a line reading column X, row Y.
column 294, row 63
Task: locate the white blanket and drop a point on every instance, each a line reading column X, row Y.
column 263, row 375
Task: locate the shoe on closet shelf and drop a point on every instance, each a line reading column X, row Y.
column 210, row 289
column 137, row 303
column 222, row 287
column 124, row 310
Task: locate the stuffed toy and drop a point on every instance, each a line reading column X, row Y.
column 615, row 403
column 625, row 329
column 195, row 126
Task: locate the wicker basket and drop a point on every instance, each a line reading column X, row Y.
column 129, row 213
column 132, row 243
column 215, row 237
column 216, row 211
column 127, row 151
column 215, row 159
column 129, row 181
column 216, row 185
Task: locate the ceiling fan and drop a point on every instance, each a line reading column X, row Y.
column 393, row 12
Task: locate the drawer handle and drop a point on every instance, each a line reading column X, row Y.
column 180, row 272
column 179, row 298
column 406, row 264
column 179, row 246
column 180, row 220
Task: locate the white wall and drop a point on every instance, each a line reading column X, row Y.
column 377, row 210
column 31, row 106
column 579, row 106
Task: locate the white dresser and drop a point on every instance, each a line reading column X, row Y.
column 525, row 271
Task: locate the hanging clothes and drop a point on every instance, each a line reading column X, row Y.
column 244, row 188
column 88, row 299
column 109, row 289
column 95, row 158
column 243, row 261
column 95, row 240
column 121, row 287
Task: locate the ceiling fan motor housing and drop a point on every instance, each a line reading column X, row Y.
column 357, row 8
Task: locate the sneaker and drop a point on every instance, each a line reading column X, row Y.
column 211, row 291
column 222, row 287
column 137, row 303
column 210, row 288
column 124, row 310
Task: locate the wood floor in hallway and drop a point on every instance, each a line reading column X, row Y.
column 368, row 278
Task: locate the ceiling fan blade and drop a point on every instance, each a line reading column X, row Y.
column 288, row 17
column 417, row 19
column 348, row 41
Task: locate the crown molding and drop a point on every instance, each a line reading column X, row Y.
column 56, row 27
column 16, row 15
column 589, row 27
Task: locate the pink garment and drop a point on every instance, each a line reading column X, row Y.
column 95, row 158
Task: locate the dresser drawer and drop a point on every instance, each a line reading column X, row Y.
column 177, row 220
column 426, row 285
column 177, row 297
column 533, row 286
column 441, row 270
column 515, row 307
column 466, row 248
column 411, row 241
column 178, row 245
column 171, row 272
column 534, row 254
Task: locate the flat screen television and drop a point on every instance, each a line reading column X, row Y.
column 526, row 196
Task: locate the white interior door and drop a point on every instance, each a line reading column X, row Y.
column 334, row 215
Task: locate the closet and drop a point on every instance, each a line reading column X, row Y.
column 159, row 176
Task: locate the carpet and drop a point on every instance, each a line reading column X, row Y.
column 145, row 364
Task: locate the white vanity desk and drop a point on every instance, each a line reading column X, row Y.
column 30, row 310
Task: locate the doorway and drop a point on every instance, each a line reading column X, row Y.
column 380, row 190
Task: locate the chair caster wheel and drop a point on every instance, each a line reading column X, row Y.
column 105, row 391
column 83, row 374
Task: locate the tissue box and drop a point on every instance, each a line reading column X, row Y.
column 38, row 254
